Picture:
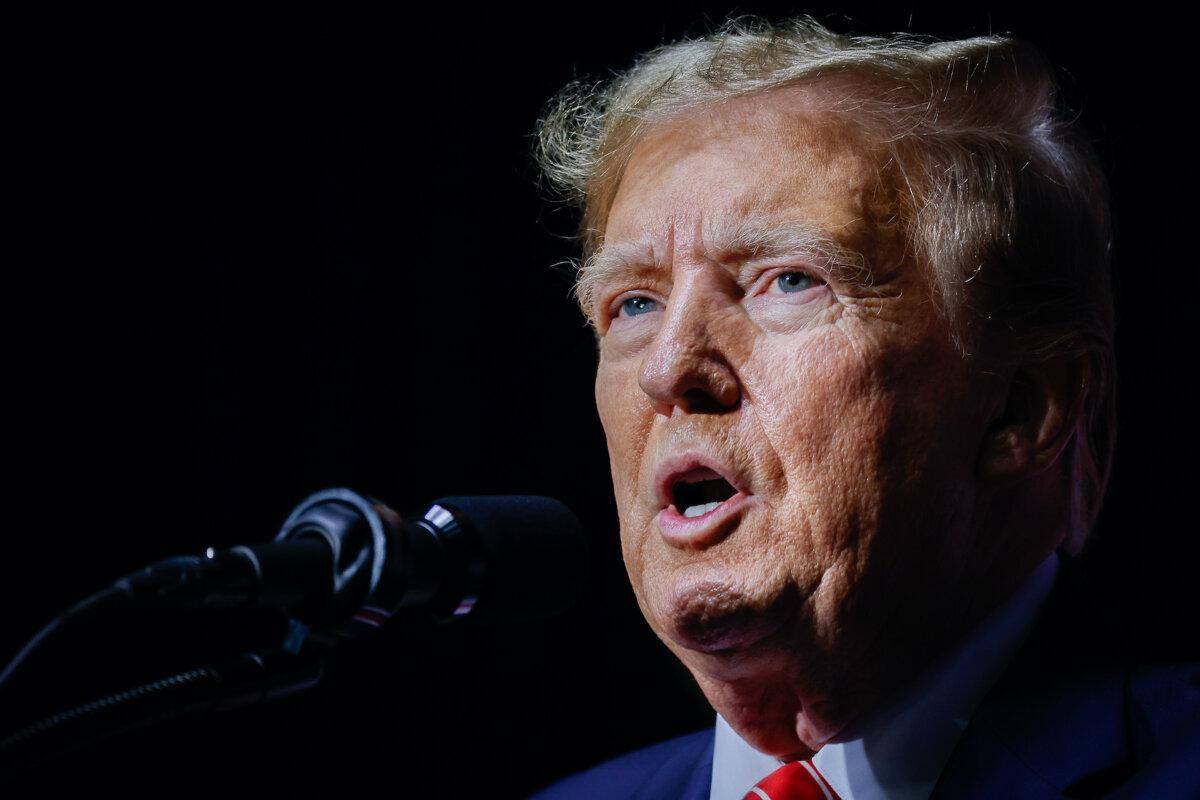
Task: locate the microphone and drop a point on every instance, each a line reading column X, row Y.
column 344, row 563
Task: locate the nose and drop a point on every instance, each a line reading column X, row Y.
column 684, row 366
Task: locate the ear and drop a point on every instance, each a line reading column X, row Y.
column 1038, row 417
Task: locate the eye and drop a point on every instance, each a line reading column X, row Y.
column 791, row 282
column 636, row 305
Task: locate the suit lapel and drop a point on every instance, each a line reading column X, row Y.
column 699, row 784
column 687, row 776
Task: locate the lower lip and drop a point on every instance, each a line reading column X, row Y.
column 704, row 530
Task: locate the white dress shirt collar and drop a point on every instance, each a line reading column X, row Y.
column 903, row 748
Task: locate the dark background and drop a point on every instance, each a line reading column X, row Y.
column 256, row 256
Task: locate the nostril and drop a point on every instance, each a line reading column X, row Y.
column 698, row 401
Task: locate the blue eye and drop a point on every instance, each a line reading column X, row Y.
column 794, row 282
column 633, row 306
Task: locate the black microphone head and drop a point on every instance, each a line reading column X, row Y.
column 528, row 559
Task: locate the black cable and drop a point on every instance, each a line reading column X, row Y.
column 234, row 683
column 81, row 715
column 95, row 606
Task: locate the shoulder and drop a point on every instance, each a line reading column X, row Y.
column 1164, row 729
column 680, row 767
column 1079, row 713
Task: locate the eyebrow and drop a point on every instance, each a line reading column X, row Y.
column 745, row 244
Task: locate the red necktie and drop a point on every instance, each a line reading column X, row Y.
column 798, row 780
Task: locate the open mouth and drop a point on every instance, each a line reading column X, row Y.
column 700, row 491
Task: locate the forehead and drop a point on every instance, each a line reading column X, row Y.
column 776, row 156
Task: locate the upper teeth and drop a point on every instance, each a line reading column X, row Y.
column 704, row 508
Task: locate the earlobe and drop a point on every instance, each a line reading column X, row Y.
column 1037, row 420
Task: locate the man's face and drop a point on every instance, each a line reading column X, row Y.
column 811, row 388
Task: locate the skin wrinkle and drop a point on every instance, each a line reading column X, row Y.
column 846, row 406
column 875, row 201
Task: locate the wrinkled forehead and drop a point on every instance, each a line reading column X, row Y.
column 780, row 155
column 746, row 177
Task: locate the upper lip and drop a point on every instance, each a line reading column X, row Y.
column 677, row 466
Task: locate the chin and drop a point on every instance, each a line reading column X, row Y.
column 704, row 612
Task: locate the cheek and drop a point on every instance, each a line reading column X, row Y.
column 625, row 415
column 818, row 404
column 626, row 433
column 825, row 413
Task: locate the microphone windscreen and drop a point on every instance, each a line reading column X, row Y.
column 533, row 551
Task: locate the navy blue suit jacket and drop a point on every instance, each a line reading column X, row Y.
column 1072, row 716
